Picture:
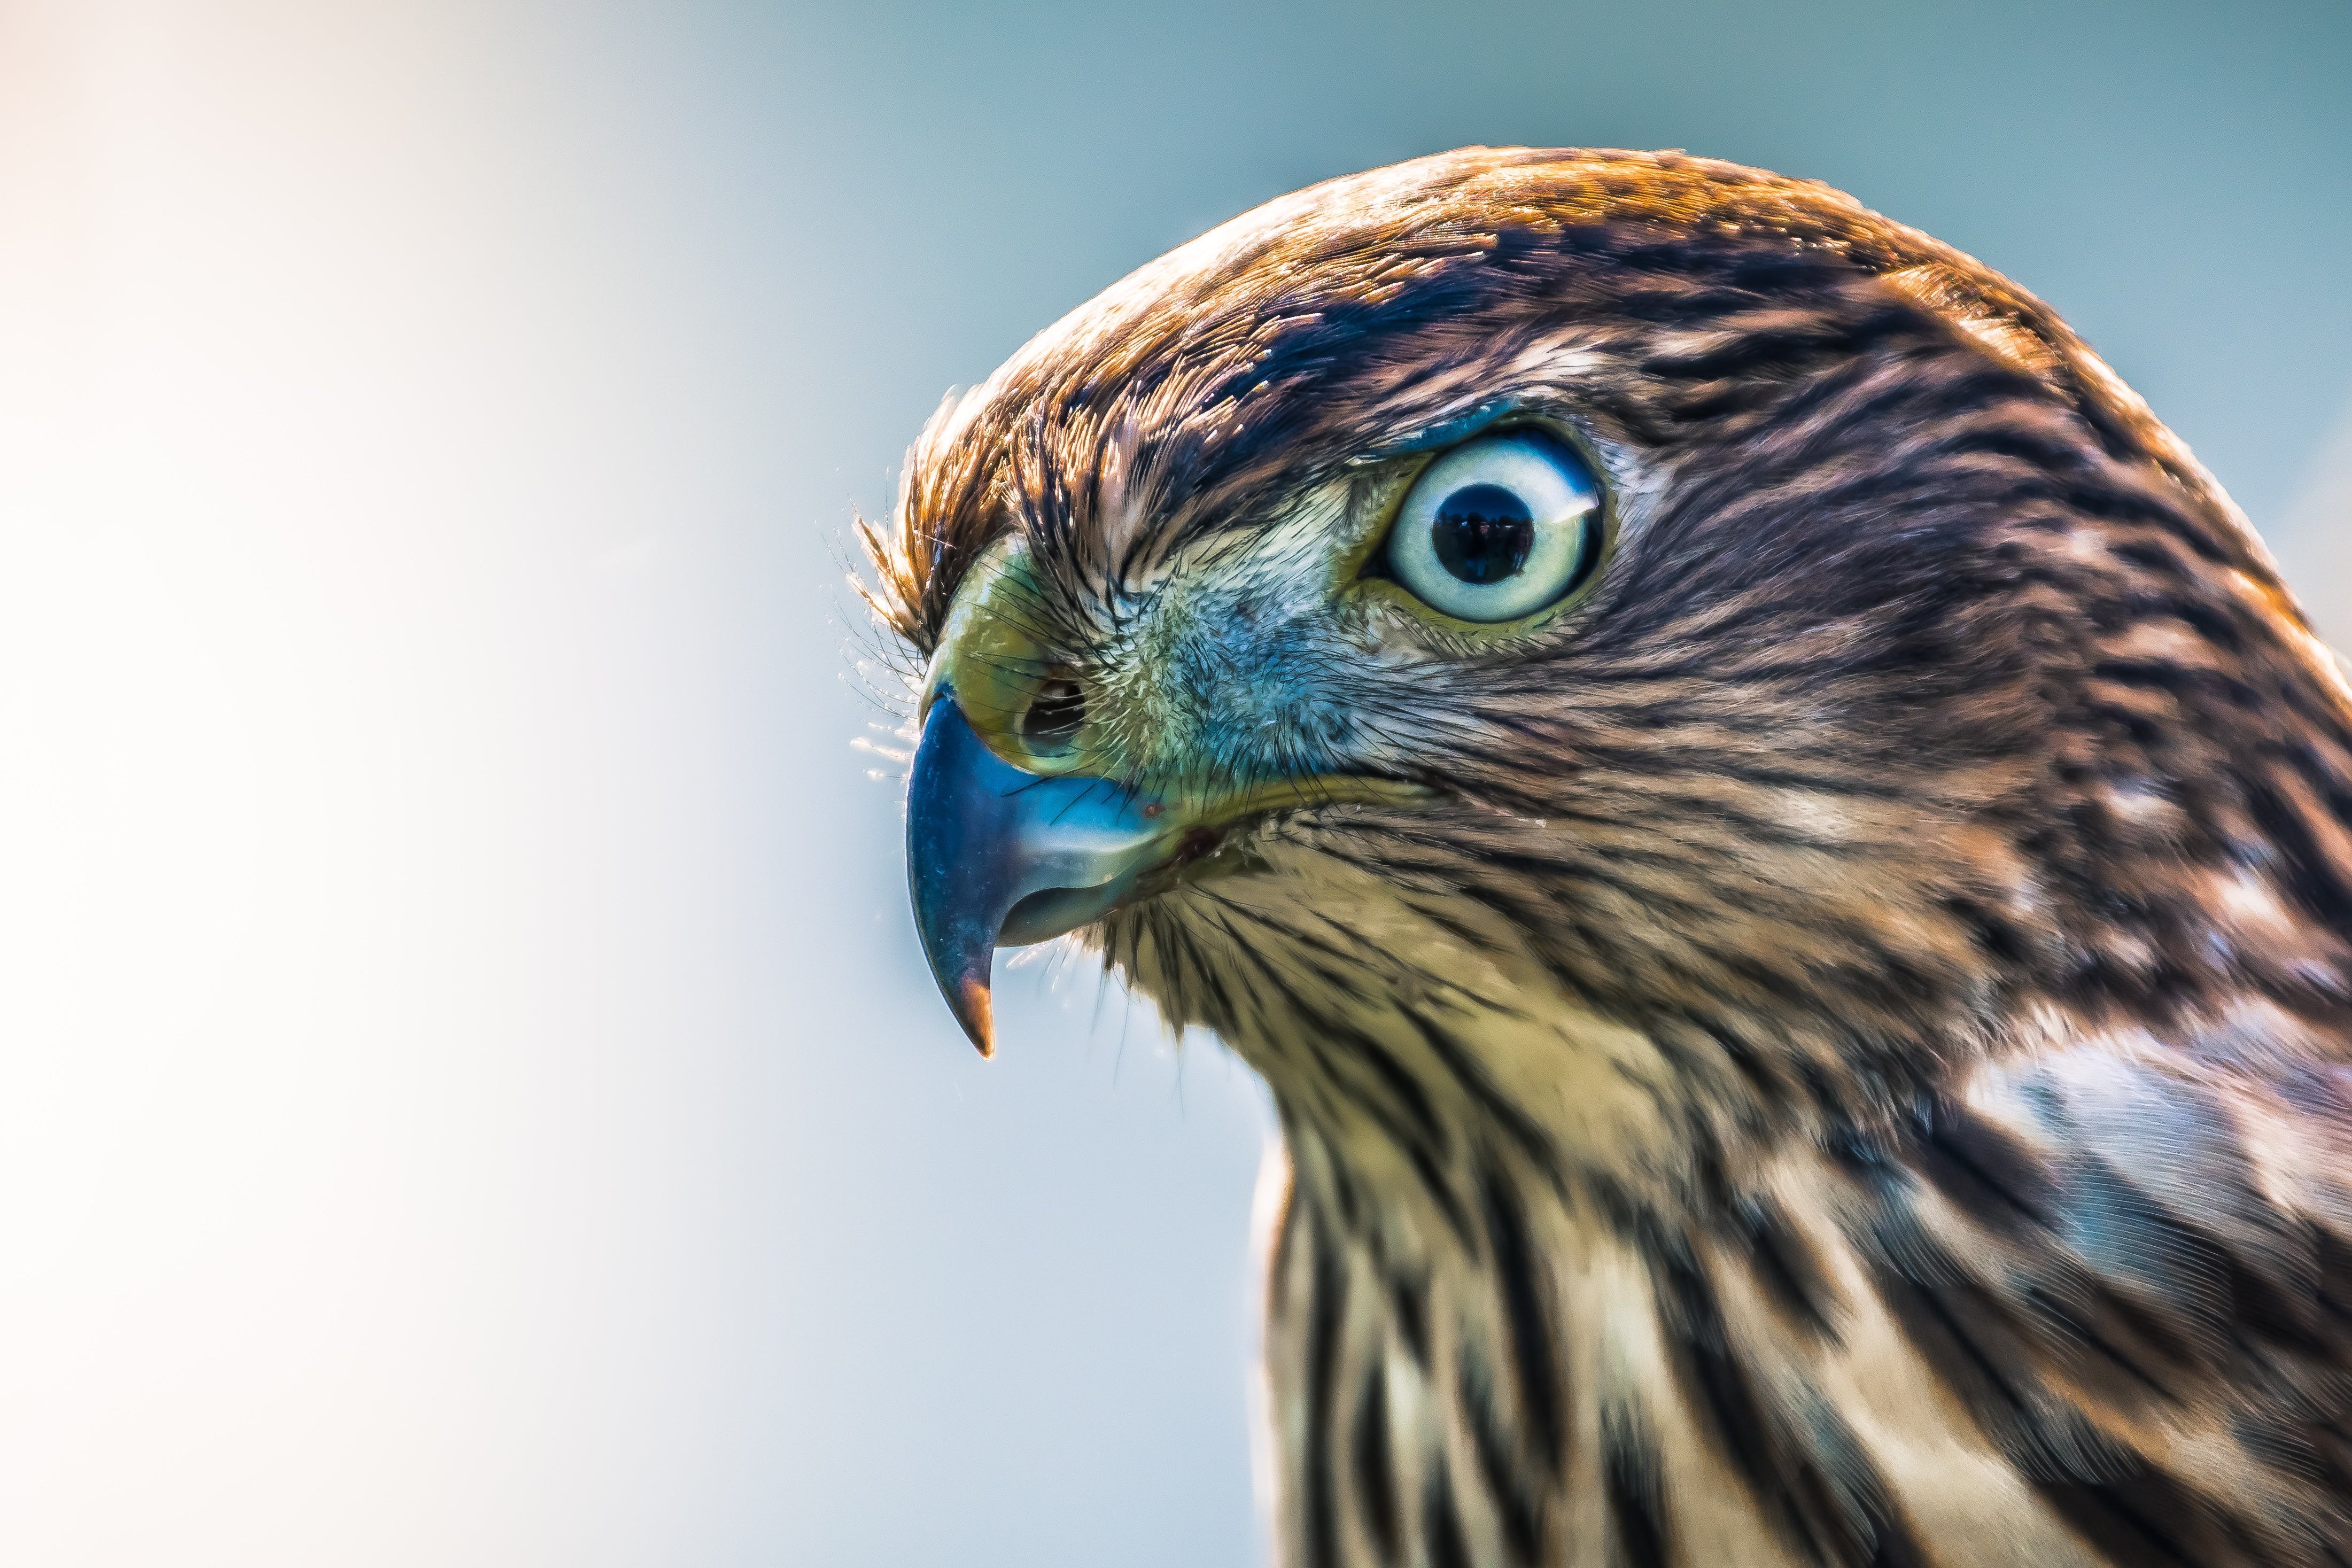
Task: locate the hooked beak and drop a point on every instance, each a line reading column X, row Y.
column 999, row 857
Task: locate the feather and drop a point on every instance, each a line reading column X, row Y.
column 1846, row 1059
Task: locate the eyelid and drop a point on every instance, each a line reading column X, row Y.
column 1453, row 432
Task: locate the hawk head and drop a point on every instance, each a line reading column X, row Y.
column 1526, row 585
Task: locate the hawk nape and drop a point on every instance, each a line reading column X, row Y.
column 1784, row 851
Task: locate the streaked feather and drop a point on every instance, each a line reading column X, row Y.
column 1858, row 1069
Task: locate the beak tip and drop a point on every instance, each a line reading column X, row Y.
column 976, row 1011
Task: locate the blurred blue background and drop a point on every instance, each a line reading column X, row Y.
column 468, row 1090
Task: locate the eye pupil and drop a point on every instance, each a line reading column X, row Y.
column 1483, row 533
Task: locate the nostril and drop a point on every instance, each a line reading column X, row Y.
column 1053, row 716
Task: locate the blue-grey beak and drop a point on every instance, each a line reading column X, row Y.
column 998, row 856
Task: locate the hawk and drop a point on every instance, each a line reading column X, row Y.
column 1781, row 846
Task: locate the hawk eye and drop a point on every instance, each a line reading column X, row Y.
column 1498, row 528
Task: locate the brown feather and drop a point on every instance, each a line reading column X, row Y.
column 1855, row 1065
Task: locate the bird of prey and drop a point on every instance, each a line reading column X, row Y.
column 1780, row 844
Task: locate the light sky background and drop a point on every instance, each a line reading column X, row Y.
column 469, row 1094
